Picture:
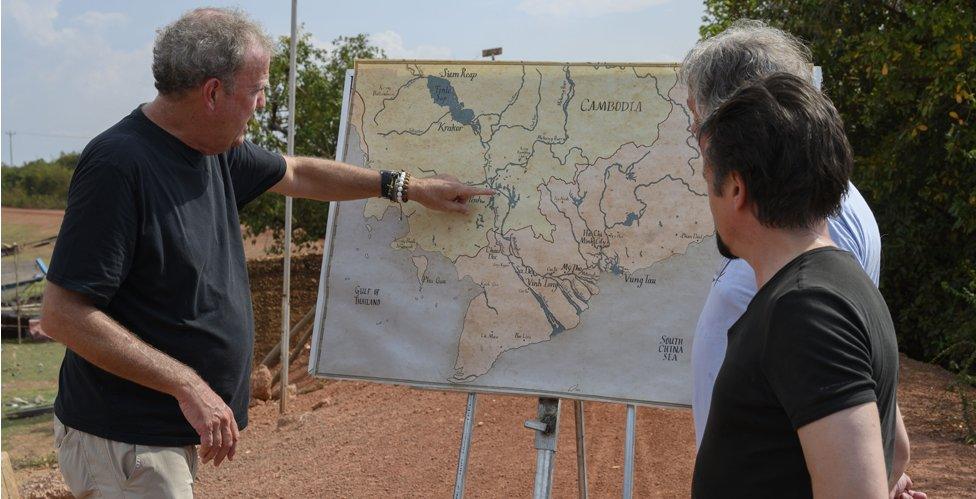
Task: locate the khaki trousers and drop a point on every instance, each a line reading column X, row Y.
column 95, row 467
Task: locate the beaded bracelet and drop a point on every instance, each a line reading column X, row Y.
column 399, row 187
column 406, row 186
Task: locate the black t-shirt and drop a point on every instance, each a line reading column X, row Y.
column 151, row 235
column 815, row 340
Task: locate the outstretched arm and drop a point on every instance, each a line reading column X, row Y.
column 328, row 180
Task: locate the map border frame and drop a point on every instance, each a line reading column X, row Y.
column 318, row 335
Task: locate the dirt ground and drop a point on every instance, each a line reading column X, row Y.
column 25, row 226
column 352, row 439
column 42, row 223
column 265, row 275
column 368, row 440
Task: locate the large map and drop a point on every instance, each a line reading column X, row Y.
column 582, row 277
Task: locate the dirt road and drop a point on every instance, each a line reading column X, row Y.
column 370, row 440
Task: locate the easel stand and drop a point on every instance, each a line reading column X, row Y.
column 546, row 427
column 546, row 436
column 465, row 447
column 629, row 452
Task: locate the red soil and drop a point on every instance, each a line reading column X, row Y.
column 351, row 439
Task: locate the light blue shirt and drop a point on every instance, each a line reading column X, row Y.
column 854, row 230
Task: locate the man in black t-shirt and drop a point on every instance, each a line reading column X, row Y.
column 805, row 401
column 148, row 287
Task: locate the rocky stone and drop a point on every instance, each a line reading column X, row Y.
column 261, row 383
column 322, row 403
column 292, row 419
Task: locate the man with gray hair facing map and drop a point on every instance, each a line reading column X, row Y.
column 148, row 287
column 713, row 70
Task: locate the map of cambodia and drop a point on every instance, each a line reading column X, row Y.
column 597, row 178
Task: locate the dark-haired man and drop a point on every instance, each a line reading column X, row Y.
column 805, row 401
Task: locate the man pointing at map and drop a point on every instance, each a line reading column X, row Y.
column 148, row 287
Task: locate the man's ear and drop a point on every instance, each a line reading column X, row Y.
column 738, row 190
column 210, row 90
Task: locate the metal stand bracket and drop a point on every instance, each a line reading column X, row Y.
column 546, row 436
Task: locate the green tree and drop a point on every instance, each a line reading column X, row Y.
column 902, row 74
column 39, row 183
column 319, row 84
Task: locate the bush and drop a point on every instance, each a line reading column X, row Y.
column 39, row 183
column 902, row 76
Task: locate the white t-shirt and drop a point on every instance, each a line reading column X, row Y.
column 734, row 285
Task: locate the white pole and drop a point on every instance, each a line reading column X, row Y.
column 10, row 136
column 286, row 285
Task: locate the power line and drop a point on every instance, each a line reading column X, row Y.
column 10, row 139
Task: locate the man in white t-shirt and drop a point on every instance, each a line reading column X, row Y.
column 713, row 70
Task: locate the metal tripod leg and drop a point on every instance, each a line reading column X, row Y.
column 462, row 470
column 629, row 452
column 546, row 435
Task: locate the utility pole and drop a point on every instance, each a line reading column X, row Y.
column 10, row 137
column 286, row 286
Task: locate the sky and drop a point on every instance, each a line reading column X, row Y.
column 70, row 69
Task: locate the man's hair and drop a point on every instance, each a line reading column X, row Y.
column 786, row 140
column 204, row 43
column 747, row 50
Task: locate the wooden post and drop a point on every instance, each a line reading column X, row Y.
column 17, row 289
column 294, row 352
column 580, row 450
column 274, row 356
column 10, row 488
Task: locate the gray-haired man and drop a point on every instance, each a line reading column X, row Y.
column 713, row 70
column 148, row 287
